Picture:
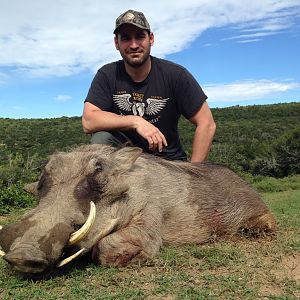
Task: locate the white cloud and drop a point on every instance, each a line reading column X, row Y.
column 63, row 98
column 247, row 90
column 62, row 38
column 249, row 41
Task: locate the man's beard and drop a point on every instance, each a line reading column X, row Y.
column 136, row 63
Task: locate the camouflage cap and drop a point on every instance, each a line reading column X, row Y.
column 133, row 17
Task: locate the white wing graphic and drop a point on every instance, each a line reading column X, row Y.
column 123, row 101
column 154, row 106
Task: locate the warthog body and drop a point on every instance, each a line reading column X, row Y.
column 142, row 202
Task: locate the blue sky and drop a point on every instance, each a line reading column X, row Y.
column 241, row 52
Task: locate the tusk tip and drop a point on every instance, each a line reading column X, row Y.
column 70, row 258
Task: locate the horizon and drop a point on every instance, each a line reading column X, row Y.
column 240, row 54
column 212, row 108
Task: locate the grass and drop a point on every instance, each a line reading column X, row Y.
column 239, row 268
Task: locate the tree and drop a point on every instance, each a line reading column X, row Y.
column 287, row 153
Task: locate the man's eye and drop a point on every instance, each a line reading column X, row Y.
column 125, row 38
column 140, row 37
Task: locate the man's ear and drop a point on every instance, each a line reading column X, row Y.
column 116, row 42
column 151, row 37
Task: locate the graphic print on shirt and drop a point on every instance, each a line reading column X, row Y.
column 134, row 103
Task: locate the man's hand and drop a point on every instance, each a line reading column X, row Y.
column 94, row 119
column 152, row 134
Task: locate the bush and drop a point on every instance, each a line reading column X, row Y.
column 287, row 152
column 15, row 197
column 14, row 167
column 282, row 158
column 270, row 184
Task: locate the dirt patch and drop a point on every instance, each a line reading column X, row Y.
column 270, row 291
column 290, row 267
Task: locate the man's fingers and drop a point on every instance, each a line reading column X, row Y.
column 152, row 134
column 164, row 141
column 159, row 143
column 152, row 143
column 156, row 142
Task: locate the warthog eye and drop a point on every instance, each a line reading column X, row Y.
column 88, row 188
column 98, row 167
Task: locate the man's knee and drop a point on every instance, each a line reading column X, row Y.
column 108, row 138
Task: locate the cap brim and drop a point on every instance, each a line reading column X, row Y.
column 118, row 28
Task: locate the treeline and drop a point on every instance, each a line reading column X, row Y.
column 260, row 140
column 252, row 140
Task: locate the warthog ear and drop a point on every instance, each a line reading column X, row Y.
column 31, row 188
column 124, row 158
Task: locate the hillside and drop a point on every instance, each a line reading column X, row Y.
column 244, row 135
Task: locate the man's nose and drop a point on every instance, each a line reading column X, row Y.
column 134, row 43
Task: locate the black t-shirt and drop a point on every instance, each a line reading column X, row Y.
column 168, row 92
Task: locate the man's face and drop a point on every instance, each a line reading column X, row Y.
column 134, row 44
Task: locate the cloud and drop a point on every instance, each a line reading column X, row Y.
column 249, row 41
column 63, row 98
column 46, row 38
column 275, row 22
column 247, row 90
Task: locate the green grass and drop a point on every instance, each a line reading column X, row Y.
column 239, row 268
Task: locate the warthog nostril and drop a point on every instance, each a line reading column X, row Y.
column 24, row 261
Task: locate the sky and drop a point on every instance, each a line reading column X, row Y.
column 241, row 52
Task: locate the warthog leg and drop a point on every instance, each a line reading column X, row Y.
column 136, row 242
column 264, row 223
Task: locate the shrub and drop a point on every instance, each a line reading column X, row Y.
column 287, row 152
column 270, row 184
column 14, row 197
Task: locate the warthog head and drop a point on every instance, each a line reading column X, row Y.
column 66, row 221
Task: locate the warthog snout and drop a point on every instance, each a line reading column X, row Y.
column 27, row 260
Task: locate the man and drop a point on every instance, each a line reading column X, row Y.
column 140, row 98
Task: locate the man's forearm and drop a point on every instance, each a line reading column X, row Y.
column 102, row 121
column 202, row 142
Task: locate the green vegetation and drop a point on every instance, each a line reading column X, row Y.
column 259, row 142
column 254, row 141
column 238, row 268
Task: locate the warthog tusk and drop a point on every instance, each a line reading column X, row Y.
column 70, row 258
column 78, row 235
column 107, row 230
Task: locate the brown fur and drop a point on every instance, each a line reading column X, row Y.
column 155, row 201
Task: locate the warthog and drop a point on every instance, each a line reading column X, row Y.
column 133, row 203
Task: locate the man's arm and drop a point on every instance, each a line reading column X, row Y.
column 95, row 119
column 204, row 133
